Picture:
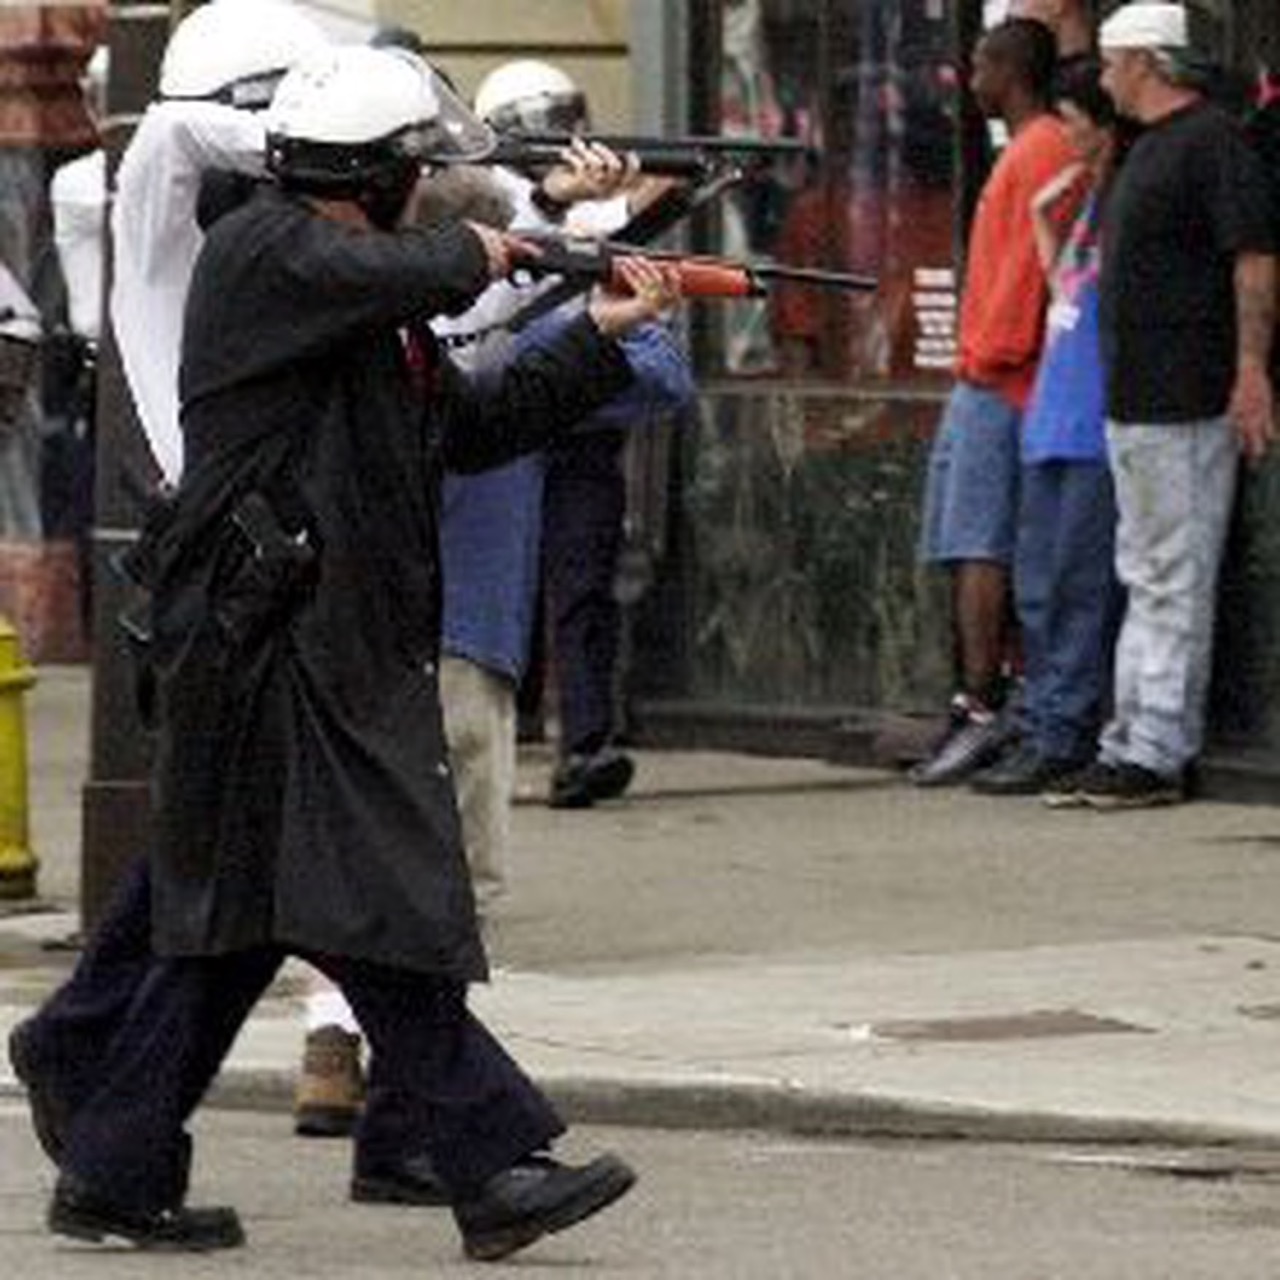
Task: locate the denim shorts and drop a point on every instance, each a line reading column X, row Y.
column 971, row 492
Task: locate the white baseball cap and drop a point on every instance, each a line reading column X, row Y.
column 1146, row 25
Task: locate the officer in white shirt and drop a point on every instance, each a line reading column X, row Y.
column 78, row 194
column 219, row 71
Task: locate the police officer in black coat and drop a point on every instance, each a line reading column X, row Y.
column 303, row 796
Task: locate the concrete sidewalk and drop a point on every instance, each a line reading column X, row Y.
column 783, row 943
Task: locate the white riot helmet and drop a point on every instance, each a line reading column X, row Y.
column 360, row 123
column 532, row 97
column 235, row 51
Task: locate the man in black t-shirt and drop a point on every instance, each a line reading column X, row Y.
column 1188, row 308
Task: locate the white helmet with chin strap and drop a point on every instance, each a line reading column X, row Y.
column 235, row 51
column 358, row 120
column 531, row 96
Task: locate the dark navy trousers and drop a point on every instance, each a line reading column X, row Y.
column 134, row 1041
column 70, row 1032
column 583, row 508
column 1069, row 603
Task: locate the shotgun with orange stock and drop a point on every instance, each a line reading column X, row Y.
column 701, row 276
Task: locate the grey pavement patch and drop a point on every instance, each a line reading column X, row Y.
column 1260, row 1012
column 13, row 907
column 1267, row 840
column 1216, row 1165
column 43, row 925
column 1036, row 1024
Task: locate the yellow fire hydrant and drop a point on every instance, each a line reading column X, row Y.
column 17, row 862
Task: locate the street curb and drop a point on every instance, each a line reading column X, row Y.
column 735, row 1105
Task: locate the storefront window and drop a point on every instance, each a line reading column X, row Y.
column 871, row 85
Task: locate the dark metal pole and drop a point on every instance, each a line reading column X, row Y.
column 115, row 809
column 973, row 148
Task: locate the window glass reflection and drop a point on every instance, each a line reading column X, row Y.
column 870, row 84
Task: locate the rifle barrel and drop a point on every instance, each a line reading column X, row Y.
column 812, row 275
column 641, row 143
column 761, row 271
column 538, row 157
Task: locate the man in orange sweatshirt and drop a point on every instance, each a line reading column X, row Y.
column 972, row 485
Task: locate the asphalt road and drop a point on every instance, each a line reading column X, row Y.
column 718, row 1207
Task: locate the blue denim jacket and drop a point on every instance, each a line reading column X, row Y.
column 491, row 523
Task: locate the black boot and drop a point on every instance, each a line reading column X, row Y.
column 82, row 1214
column 582, row 779
column 410, row 1181
column 536, row 1197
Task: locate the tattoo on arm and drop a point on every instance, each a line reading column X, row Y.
column 1256, row 282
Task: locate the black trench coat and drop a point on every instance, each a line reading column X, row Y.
column 302, row 787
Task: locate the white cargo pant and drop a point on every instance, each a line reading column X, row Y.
column 1175, row 484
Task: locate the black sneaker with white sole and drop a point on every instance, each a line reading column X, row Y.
column 1066, row 790
column 1129, row 786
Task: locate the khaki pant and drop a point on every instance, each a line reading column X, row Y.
column 480, row 724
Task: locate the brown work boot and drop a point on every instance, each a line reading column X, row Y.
column 331, row 1087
